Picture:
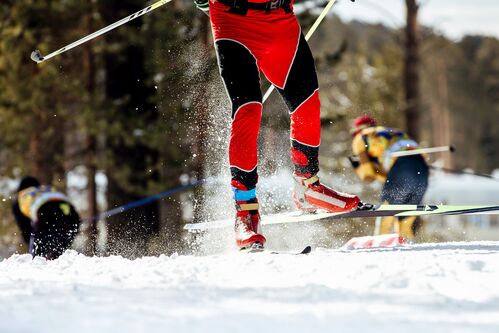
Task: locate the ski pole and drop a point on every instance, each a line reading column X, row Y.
column 430, row 150
column 307, row 37
column 37, row 57
column 141, row 202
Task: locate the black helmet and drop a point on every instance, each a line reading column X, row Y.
column 28, row 182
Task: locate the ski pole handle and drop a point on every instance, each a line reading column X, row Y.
column 37, row 57
column 423, row 151
column 354, row 161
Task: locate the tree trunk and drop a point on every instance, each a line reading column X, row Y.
column 90, row 145
column 39, row 166
column 46, row 143
column 411, row 71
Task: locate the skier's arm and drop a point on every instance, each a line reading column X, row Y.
column 204, row 5
column 23, row 222
column 365, row 168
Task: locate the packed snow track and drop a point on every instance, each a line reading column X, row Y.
column 450, row 287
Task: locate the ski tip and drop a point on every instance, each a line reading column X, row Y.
column 36, row 56
column 306, row 250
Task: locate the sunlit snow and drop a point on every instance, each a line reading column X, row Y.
column 450, row 287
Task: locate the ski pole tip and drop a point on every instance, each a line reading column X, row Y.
column 36, row 56
column 452, row 148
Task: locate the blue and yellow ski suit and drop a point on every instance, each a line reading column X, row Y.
column 405, row 178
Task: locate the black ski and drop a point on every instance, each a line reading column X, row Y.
column 306, row 250
column 258, row 248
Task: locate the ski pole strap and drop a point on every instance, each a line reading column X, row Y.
column 248, row 206
column 241, row 7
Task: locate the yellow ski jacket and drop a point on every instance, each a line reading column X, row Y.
column 373, row 147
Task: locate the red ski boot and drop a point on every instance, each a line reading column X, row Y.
column 247, row 227
column 310, row 194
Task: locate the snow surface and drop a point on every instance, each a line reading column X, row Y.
column 449, row 287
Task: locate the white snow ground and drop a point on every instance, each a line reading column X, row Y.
column 450, row 287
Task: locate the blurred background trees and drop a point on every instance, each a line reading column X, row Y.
column 136, row 108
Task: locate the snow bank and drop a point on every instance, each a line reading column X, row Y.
column 462, row 189
column 450, row 287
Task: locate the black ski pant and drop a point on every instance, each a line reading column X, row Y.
column 55, row 229
column 406, row 182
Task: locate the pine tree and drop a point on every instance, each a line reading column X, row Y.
column 32, row 102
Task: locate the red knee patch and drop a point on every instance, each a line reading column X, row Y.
column 298, row 157
column 306, row 122
column 244, row 135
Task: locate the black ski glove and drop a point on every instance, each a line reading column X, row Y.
column 354, row 161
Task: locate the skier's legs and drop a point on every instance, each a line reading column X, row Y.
column 300, row 92
column 420, row 173
column 420, row 185
column 406, row 184
column 394, row 192
column 302, row 98
column 240, row 73
column 406, row 181
column 55, row 229
column 385, row 225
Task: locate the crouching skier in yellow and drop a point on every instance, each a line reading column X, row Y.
column 48, row 221
column 405, row 178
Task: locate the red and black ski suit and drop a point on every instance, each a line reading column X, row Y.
column 272, row 42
